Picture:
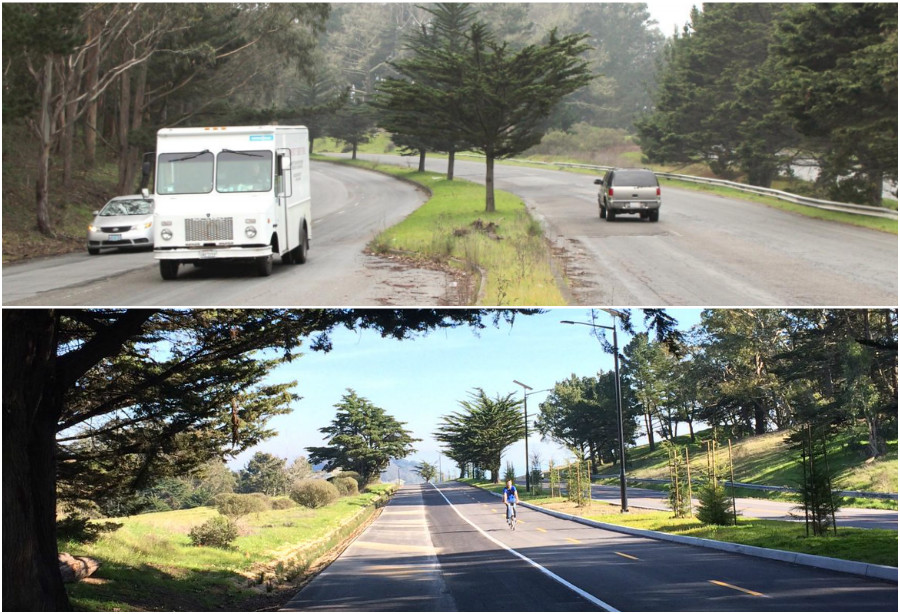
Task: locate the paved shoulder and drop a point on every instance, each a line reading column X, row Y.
column 390, row 567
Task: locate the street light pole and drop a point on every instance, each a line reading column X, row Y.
column 621, row 419
column 525, row 404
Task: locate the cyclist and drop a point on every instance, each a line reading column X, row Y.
column 510, row 498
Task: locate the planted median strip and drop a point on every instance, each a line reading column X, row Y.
column 505, row 250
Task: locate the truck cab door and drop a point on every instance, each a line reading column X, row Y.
column 283, row 191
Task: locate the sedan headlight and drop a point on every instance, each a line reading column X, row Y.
column 166, row 234
column 148, row 224
column 92, row 228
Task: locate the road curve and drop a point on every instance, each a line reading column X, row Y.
column 350, row 207
column 754, row 508
column 468, row 560
column 706, row 250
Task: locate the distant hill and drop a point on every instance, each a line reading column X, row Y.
column 402, row 469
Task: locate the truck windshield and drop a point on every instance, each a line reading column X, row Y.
column 244, row 171
column 185, row 173
column 637, row 179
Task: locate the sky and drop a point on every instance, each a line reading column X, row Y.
column 671, row 15
column 419, row 380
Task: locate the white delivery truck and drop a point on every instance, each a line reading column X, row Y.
column 231, row 193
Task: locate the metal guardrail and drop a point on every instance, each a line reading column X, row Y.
column 843, row 493
column 779, row 194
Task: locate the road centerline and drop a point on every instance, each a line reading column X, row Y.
column 581, row 592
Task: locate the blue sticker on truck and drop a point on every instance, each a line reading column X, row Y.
column 262, row 137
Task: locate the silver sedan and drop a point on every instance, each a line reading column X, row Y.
column 125, row 221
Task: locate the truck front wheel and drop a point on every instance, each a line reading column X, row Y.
column 168, row 269
column 264, row 266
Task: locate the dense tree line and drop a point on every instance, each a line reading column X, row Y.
column 742, row 372
column 750, row 87
column 117, row 72
column 93, row 78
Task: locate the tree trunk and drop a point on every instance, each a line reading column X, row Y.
column 354, row 151
column 422, row 160
column 691, row 428
column 93, row 75
column 124, row 116
column 761, row 417
column 451, row 162
column 489, row 205
column 44, row 129
column 649, row 424
column 31, row 576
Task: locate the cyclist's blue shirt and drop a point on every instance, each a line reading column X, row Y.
column 509, row 494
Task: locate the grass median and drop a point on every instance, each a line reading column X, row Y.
column 505, row 248
column 874, row 546
column 149, row 563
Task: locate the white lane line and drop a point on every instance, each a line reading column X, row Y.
column 599, row 603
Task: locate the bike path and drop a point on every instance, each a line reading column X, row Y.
column 391, row 566
column 630, row 573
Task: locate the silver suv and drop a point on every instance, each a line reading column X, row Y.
column 629, row 190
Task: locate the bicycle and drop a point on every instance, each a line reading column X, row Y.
column 512, row 516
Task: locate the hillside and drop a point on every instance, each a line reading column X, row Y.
column 72, row 207
column 766, row 459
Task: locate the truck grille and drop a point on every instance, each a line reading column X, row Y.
column 208, row 229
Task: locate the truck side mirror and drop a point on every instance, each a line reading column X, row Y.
column 598, row 182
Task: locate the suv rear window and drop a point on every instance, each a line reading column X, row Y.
column 638, row 179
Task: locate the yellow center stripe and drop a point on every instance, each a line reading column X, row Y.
column 628, row 556
column 541, row 530
column 573, row 540
column 738, row 588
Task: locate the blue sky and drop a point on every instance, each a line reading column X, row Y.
column 419, row 380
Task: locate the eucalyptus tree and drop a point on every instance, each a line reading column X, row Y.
column 746, row 342
column 647, row 385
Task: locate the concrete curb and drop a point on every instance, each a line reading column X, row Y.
column 868, row 570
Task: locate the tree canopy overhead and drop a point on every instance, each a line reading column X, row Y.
column 144, row 361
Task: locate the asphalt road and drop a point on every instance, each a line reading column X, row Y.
column 351, row 206
column 705, row 250
column 753, row 508
column 450, row 549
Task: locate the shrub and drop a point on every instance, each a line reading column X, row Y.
column 235, row 505
column 346, row 486
column 282, row 504
column 217, row 532
column 314, row 493
column 355, row 475
column 714, row 505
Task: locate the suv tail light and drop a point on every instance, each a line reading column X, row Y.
column 610, row 192
column 658, row 193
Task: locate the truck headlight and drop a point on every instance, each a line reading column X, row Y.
column 166, row 234
column 250, row 231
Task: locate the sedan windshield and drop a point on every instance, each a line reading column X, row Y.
column 138, row 206
column 185, row 173
column 244, row 171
